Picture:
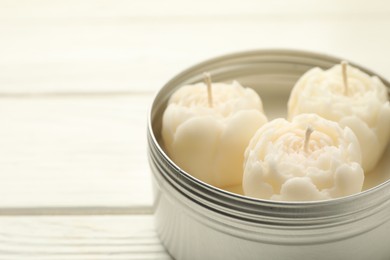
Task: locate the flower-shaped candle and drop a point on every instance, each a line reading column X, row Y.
column 206, row 128
column 307, row 159
column 350, row 97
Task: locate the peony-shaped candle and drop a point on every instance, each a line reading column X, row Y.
column 307, row 159
column 350, row 97
column 206, row 128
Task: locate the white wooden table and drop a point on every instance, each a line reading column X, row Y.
column 76, row 81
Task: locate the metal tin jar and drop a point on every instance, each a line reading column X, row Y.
column 195, row 220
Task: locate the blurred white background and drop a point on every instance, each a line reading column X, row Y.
column 122, row 45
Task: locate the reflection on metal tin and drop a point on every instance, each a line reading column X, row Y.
column 197, row 221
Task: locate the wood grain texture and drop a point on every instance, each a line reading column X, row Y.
column 74, row 151
column 25, row 9
column 127, row 46
column 79, row 238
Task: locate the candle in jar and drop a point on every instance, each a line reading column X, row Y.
column 350, row 97
column 206, row 128
column 307, row 159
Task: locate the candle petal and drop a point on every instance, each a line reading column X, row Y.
column 300, row 189
column 197, row 140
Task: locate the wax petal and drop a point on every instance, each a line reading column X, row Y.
column 300, row 189
column 234, row 139
column 347, row 180
column 369, row 142
column 253, row 182
column 195, row 141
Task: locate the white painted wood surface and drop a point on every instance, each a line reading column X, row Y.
column 79, row 238
column 77, row 79
column 74, row 151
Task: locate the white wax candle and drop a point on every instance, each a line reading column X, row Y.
column 350, row 97
column 307, row 159
column 207, row 137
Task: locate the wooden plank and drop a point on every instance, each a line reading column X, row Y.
column 74, row 151
column 79, row 238
column 107, row 8
column 84, row 46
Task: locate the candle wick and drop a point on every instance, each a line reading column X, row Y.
column 344, row 65
column 207, row 80
column 309, row 131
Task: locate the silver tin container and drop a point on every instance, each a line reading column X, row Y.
column 197, row 221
